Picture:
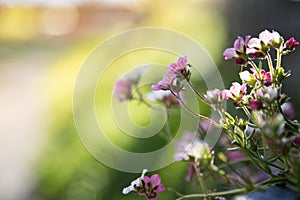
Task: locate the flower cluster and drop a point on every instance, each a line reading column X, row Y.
column 245, row 49
column 260, row 146
column 263, row 85
column 171, row 79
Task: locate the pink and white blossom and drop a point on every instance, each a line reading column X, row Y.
column 236, row 91
column 238, row 51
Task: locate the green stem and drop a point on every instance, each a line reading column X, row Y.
column 200, row 178
column 269, row 161
column 247, row 112
column 197, row 93
column 256, row 68
column 286, row 162
column 177, row 193
column 196, row 114
column 273, row 165
column 271, row 68
column 244, row 178
column 278, row 64
column 257, row 162
column 234, row 162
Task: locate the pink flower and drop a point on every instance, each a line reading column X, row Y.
column 230, row 53
column 267, row 93
column 264, row 39
column 166, row 83
column 236, row 91
column 123, row 87
column 288, row 110
column 173, row 77
column 255, row 105
column 152, row 187
column 260, row 46
column 122, row 90
column 179, row 66
column 170, row 81
column 215, row 97
column 290, row 45
column 227, row 94
column 238, row 51
column 297, row 140
column 145, row 186
column 191, row 172
column 265, row 76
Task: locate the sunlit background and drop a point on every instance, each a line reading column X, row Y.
column 42, row 46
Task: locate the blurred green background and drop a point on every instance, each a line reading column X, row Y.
column 42, row 46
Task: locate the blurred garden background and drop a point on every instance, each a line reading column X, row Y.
column 42, row 47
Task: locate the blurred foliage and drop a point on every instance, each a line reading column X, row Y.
column 65, row 170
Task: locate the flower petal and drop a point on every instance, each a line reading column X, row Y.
column 239, row 44
column 155, row 179
column 254, row 43
column 160, row 189
column 147, row 180
column 247, row 38
column 229, row 53
column 265, row 36
column 191, row 172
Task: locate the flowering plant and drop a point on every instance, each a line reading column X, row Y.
column 258, row 148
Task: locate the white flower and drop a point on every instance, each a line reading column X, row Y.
column 253, row 45
column 135, row 183
column 158, row 95
column 265, row 36
column 245, row 76
column 267, row 93
column 276, row 38
column 190, row 147
column 273, row 93
column 266, row 39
